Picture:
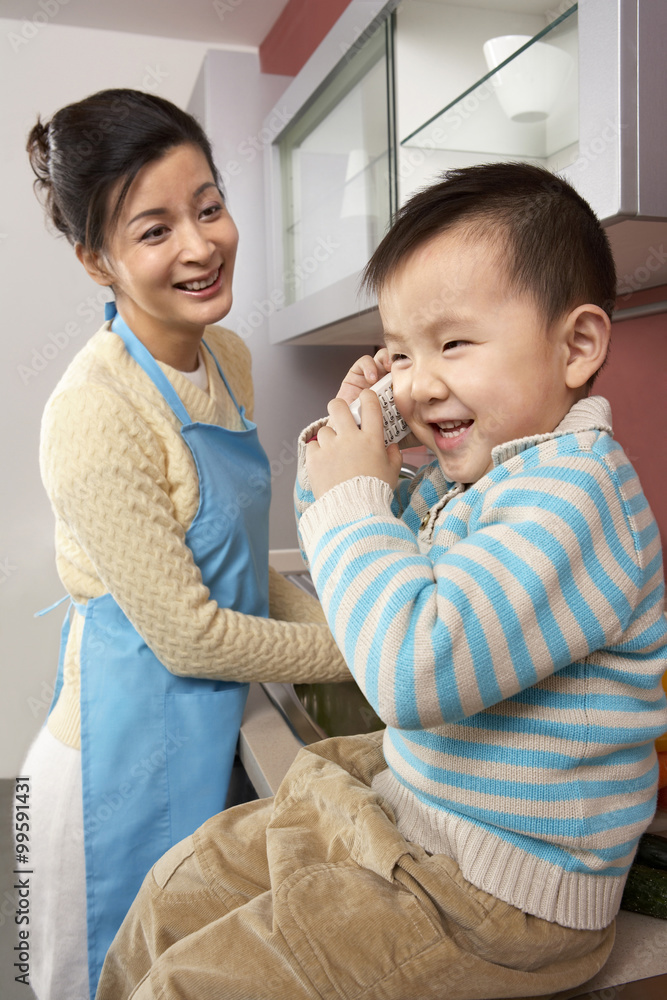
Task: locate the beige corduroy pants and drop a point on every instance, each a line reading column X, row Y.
column 316, row 894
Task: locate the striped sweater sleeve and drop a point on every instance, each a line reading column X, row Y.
column 304, row 497
column 517, row 579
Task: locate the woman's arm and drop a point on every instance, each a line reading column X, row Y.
column 105, row 472
column 289, row 603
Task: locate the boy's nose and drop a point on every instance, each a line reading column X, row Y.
column 427, row 385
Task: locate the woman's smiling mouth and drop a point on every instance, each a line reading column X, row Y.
column 202, row 284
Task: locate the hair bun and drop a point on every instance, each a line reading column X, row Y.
column 39, row 152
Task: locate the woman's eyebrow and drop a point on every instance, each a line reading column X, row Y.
column 204, row 186
column 162, row 211
column 148, row 211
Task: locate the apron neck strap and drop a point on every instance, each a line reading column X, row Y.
column 145, row 360
column 222, row 376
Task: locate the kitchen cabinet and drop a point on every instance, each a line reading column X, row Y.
column 400, row 91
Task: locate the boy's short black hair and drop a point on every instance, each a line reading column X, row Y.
column 553, row 245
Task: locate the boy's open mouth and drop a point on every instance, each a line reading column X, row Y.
column 451, row 428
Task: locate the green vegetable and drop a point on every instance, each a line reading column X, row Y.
column 652, row 851
column 646, row 891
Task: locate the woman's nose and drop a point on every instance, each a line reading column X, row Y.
column 195, row 246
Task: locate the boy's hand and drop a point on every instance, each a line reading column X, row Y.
column 343, row 450
column 364, row 373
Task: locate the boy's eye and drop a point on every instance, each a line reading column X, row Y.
column 453, row 343
column 397, row 357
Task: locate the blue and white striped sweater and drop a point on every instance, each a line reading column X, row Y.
column 512, row 637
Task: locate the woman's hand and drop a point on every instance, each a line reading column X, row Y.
column 342, row 450
column 364, row 373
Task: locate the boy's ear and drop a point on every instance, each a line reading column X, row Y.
column 587, row 331
column 94, row 264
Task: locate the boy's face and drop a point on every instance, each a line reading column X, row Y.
column 473, row 364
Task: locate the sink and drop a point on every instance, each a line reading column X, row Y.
column 338, row 709
column 317, row 711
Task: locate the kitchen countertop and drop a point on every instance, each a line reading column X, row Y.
column 267, row 745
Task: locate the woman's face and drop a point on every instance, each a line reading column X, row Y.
column 171, row 254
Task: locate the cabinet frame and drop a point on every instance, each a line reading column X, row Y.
column 622, row 94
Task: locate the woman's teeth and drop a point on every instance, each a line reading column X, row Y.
column 196, row 286
column 452, row 428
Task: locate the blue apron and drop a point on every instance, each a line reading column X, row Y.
column 157, row 749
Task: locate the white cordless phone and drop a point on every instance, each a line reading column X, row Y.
column 395, row 427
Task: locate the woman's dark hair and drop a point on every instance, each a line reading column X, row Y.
column 551, row 242
column 89, row 146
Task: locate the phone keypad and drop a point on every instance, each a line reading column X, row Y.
column 395, row 427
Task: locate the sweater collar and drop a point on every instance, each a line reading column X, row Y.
column 590, row 414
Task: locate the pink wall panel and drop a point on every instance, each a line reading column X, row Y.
column 634, row 381
column 297, row 33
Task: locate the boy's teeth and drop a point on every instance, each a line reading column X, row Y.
column 196, row 286
column 450, row 428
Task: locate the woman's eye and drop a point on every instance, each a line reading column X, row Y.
column 155, row 233
column 211, row 210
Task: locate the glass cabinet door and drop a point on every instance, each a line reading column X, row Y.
column 502, row 85
column 525, row 106
column 337, row 173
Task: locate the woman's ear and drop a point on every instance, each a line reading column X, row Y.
column 588, row 329
column 95, row 265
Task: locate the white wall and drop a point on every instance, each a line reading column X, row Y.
column 50, row 307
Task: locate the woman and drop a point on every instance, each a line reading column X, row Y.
column 160, row 490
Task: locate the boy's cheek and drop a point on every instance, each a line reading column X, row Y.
column 420, row 435
column 402, row 397
column 404, row 403
column 413, row 440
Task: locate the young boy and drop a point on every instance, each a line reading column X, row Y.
column 502, row 612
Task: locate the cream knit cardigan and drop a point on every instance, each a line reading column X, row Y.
column 124, row 491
